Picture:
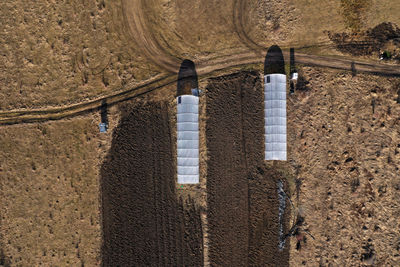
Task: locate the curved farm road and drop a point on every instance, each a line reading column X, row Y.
column 136, row 21
column 56, row 113
column 307, row 59
column 135, row 18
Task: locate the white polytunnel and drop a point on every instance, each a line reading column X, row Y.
column 188, row 139
column 275, row 116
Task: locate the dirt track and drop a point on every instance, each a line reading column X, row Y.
column 136, row 20
column 46, row 114
column 137, row 30
column 144, row 224
column 242, row 197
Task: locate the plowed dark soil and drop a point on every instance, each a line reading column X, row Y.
column 144, row 224
column 242, row 192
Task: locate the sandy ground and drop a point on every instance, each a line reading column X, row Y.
column 343, row 141
column 119, row 47
column 343, row 132
column 49, row 198
column 61, row 53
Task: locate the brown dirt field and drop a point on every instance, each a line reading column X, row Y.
column 76, row 52
column 49, row 198
column 344, row 139
column 144, row 221
column 343, row 135
column 61, row 52
column 242, row 194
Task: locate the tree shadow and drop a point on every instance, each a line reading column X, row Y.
column 187, row 78
column 144, row 222
column 274, row 61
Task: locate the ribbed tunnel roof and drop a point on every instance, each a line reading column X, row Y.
column 188, row 139
column 275, row 116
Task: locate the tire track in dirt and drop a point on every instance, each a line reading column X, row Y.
column 136, row 20
column 151, row 46
column 137, row 25
column 142, row 215
column 40, row 115
column 48, row 114
column 242, row 195
column 238, row 22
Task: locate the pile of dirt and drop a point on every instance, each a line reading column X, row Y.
column 242, row 194
column 144, row 222
column 302, row 84
column 384, row 32
column 367, row 42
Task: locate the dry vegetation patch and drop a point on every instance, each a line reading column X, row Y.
column 55, row 53
column 385, row 36
column 344, row 139
column 353, row 12
column 49, row 198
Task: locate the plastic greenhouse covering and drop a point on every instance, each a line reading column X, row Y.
column 188, row 139
column 275, row 117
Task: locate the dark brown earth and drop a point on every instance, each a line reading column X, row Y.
column 369, row 41
column 242, row 191
column 144, row 222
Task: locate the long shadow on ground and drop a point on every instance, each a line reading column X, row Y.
column 144, row 223
column 187, row 78
column 242, row 192
column 274, row 61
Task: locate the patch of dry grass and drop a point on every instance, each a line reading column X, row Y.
column 49, row 193
column 63, row 52
column 353, row 12
column 344, row 139
column 67, row 52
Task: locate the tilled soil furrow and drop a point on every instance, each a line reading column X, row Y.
column 171, row 199
column 161, row 213
column 175, row 234
column 182, row 233
column 197, row 248
column 226, row 181
column 242, row 196
column 157, row 206
column 143, row 223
